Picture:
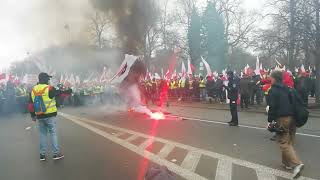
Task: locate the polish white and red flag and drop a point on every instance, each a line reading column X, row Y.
column 191, row 68
column 206, row 64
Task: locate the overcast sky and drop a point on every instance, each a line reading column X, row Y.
column 30, row 25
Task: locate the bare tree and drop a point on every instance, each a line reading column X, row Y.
column 99, row 21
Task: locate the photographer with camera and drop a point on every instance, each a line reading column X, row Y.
column 281, row 121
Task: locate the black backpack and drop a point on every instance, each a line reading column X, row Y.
column 301, row 114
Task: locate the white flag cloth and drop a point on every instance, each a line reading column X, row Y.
column 162, row 73
column 124, row 69
column 206, row 64
column 183, row 70
column 157, row 76
column 78, row 81
column 257, row 70
column 189, row 67
column 302, row 68
column 72, row 80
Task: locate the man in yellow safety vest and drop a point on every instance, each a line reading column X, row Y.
column 42, row 106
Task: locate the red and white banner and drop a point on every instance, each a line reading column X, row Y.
column 206, row 64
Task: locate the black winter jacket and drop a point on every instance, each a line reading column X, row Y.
column 279, row 102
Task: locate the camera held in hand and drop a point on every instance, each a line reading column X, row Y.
column 274, row 128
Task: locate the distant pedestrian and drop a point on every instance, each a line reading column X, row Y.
column 43, row 109
column 244, row 91
column 233, row 90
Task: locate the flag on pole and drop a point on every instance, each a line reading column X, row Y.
column 157, row 76
column 72, row 80
column 206, row 64
column 303, row 70
column 103, row 76
column 61, row 79
column 279, row 64
column 167, row 75
column 191, row 68
column 162, row 73
column 183, row 70
column 2, row 76
column 124, row 69
column 257, row 70
column 78, row 81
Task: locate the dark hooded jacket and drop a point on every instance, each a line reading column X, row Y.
column 280, row 104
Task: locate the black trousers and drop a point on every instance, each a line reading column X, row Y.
column 245, row 100
column 234, row 111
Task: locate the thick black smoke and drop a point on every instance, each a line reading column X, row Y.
column 131, row 17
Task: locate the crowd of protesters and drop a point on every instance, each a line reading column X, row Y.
column 253, row 88
column 14, row 96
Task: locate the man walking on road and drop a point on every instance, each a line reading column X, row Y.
column 280, row 118
column 43, row 108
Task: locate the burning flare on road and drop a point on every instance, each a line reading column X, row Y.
column 157, row 116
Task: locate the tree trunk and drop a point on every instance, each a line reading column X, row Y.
column 291, row 60
column 317, row 53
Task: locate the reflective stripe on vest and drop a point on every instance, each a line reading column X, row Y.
column 49, row 103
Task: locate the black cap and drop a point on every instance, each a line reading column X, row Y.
column 44, row 76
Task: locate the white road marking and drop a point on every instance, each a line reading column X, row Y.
column 118, row 134
column 244, row 126
column 164, row 152
column 191, row 161
column 146, row 143
column 239, row 162
column 152, row 157
column 224, row 170
column 264, row 176
column 131, row 138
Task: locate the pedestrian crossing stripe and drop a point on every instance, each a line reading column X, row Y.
column 190, row 162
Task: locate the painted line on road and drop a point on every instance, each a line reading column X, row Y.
column 118, row 134
column 243, row 126
column 146, row 143
column 152, row 157
column 265, row 176
column 191, row 161
column 164, row 152
column 254, row 166
column 224, row 170
column 131, row 138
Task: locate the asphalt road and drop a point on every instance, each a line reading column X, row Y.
column 111, row 144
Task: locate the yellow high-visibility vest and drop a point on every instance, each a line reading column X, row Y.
column 49, row 103
column 172, row 85
column 202, row 84
column 182, row 83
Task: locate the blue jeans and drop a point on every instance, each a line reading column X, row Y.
column 48, row 125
